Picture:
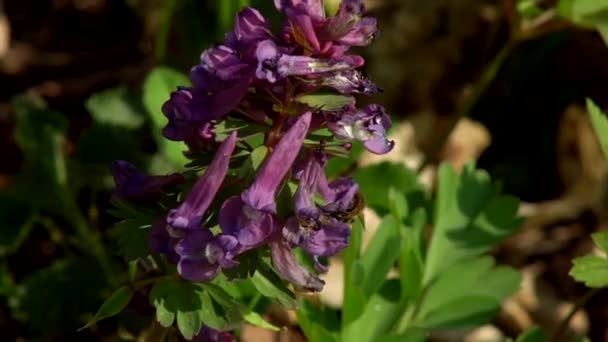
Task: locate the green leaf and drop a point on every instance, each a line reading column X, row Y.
column 397, row 204
column 325, row 101
column 354, row 299
column 270, row 285
column 464, row 312
column 411, row 256
column 54, row 300
column 132, row 237
column 380, row 313
column 256, row 319
column 410, row 335
column 534, row 334
column 455, row 284
column 16, row 219
column 470, row 218
column 592, row 13
column 600, row 125
column 376, row 180
column 528, row 9
column 115, row 107
column 310, row 320
column 119, row 143
column 7, row 284
column 191, row 305
column 380, row 254
column 39, row 133
column 112, row 306
column 252, row 163
column 157, row 88
column 601, row 241
column 339, row 166
column 591, row 270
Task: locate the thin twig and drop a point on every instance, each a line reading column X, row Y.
column 577, row 306
column 486, row 78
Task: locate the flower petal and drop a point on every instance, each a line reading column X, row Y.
column 285, row 263
column 329, row 240
column 260, row 194
column 189, row 214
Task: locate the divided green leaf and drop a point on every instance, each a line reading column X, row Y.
column 467, row 294
column 590, row 269
column 470, row 218
column 191, row 305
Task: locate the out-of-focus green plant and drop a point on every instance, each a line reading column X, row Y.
column 435, row 288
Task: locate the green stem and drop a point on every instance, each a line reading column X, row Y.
column 160, row 48
column 144, row 282
column 557, row 335
column 486, row 78
column 254, row 301
column 91, row 241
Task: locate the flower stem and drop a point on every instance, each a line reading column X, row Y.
column 92, row 244
column 486, row 78
column 577, row 306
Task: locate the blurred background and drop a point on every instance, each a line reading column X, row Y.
column 78, row 90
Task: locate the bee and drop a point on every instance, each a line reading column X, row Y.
column 354, row 210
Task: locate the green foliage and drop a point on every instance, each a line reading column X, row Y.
column 375, row 182
column 67, row 289
column 270, row 285
column 440, row 285
column 470, row 218
column 380, row 255
column 534, row 334
column 115, row 107
column 113, row 305
column 590, row 269
column 132, row 237
column 592, row 13
column 453, row 301
column 40, row 135
column 16, row 219
column 156, row 90
column 600, row 125
column 325, row 101
column 190, row 305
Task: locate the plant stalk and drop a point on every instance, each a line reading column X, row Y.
column 557, row 335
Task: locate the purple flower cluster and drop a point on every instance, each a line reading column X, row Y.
column 260, row 77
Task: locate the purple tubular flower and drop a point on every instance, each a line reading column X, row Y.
column 369, row 126
column 249, row 25
column 160, row 242
column 285, row 263
column 351, row 82
column 132, row 184
column 316, row 231
column 250, row 217
column 348, row 27
column 312, row 7
column 189, row 214
column 273, row 65
column 186, row 124
column 201, row 255
column 207, row 334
